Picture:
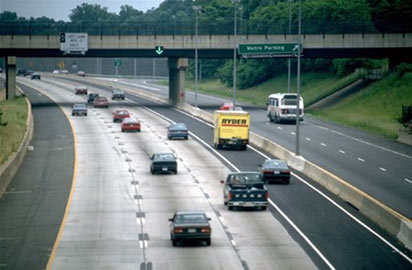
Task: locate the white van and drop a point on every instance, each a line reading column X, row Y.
column 283, row 106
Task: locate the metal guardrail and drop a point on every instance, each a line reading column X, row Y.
column 173, row 28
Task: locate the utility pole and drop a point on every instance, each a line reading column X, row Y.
column 298, row 79
column 234, row 53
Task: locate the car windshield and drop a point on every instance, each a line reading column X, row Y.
column 79, row 106
column 130, row 120
column 178, row 126
column 164, row 156
column 243, row 179
column 191, row 218
column 275, row 164
column 122, row 112
column 117, row 92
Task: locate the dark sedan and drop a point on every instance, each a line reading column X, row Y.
column 177, row 130
column 275, row 170
column 117, row 94
column 91, row 97
column 163, row 163
column 190, row 226
column 79, row 109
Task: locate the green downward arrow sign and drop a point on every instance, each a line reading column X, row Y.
column 159, row 50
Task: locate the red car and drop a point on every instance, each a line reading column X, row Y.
column 130, row 124
column 81, row 90
column 119, row 115
column 101, row 102
column 227, row 106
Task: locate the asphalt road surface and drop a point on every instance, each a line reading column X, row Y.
column 332, row 233
column 380, row 167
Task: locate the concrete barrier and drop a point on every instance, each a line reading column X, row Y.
column 396, row 224
column 10, row 167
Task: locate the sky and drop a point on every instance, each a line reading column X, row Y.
column 60, row 9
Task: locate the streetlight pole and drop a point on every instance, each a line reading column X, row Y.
column 290, row 32
column 196, row 9
column 298, row 79
column 234, row 54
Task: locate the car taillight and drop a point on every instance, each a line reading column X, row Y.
column 267, row 195
column 285, row 171
column 229, row 195
column 267, row 171
column 178, row 230
column 205, row 230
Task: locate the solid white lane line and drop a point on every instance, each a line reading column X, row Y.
column 341, row 151
column 323, row 144
column 409, row 181
column 364, row 142
column 344, row 211
column 361, row 159
column 382, row 169
column 237, row 170
column 302, row 235
column 308, row 139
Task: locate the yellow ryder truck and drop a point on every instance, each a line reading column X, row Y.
column 231, row 129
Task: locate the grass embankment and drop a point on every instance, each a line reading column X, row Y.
column 315, row 86
column 11, row 135
column 375, row 108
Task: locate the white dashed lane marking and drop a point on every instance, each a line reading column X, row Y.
column 279, row 127
column 407, row 180
column 382, row 169
column 361, row 159
column 308, row 139
column 293, row 133
column 323, row 144
column 341, row 151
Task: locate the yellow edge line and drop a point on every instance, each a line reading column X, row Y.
column 69, row 201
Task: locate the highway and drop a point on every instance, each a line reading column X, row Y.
column 316, row 229
column 378, row 166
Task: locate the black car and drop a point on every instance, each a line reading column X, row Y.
column 117, row 94
column 91, row 97
column 163, row 163
column 275, row 170
column 79, row 109
column 190, row 226
column 177, row 130
column 35, row 76
column 21, row 72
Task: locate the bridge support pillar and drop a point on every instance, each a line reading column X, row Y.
column 10, row 77
column 393, row 62
column 177, row 69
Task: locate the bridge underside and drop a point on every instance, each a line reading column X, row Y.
column 214, row 53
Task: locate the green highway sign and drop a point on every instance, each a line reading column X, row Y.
column 117, row 62
column 159, row 50
column 264, row 49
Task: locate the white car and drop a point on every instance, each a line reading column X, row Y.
column 56, row 71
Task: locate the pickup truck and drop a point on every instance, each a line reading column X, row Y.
column 245, row 189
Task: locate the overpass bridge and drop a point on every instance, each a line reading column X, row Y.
column 177, row 48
